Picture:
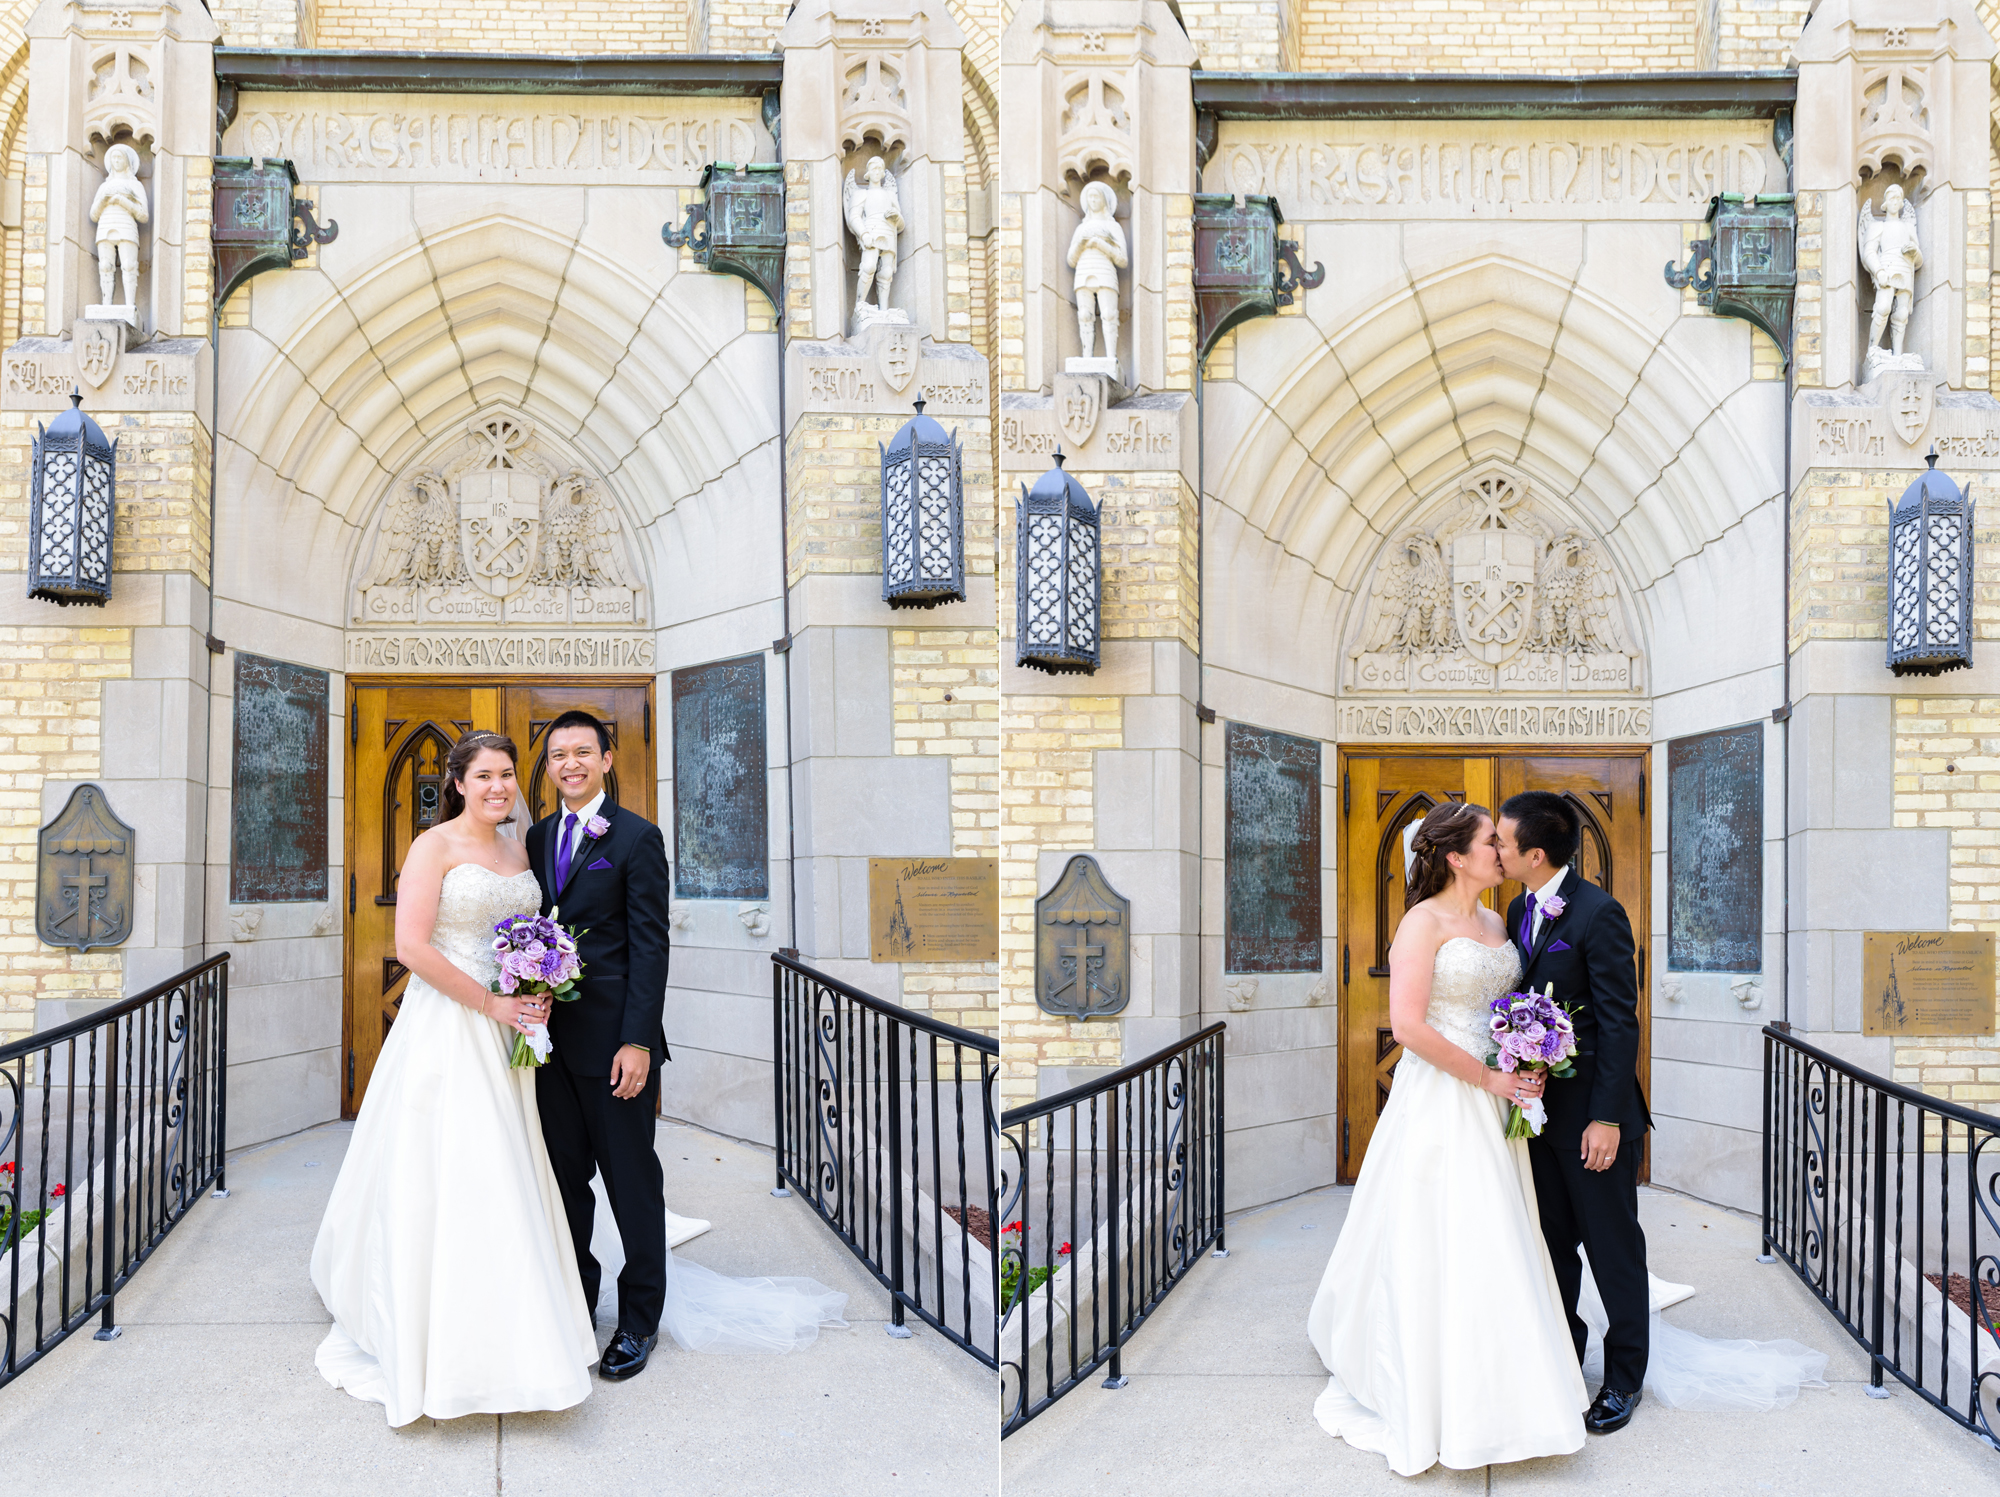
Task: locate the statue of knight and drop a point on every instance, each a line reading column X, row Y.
column 1892, row 257
column 1097, row 254
column 118, row 210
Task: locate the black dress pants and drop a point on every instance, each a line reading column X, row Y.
column 1600, row 1210
column 587, row 1128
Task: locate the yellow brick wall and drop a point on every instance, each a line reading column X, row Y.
column 1808, row 309
column 1047, row 784
column 1948, row 775
column 1499, row 36
column 561, row 26
column 51, row 712
column 946, row 685
column 740, row 25
column 1978, row 289
column 1242, row 36
column 263, row 23
column 1011, row 295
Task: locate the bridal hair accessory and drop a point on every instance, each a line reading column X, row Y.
column 1410, row 849
column 537, row 956
column 597, row 826
column 1532, row 1032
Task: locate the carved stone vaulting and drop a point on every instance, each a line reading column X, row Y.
column 1493, row 593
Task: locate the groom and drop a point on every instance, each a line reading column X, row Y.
column 606, row 870
column 1586, row 1161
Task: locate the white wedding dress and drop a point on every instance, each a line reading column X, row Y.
column 1439, row 1315
column 444, row 1256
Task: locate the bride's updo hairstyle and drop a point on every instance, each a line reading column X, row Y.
column 1448, row 829
column 459, row 760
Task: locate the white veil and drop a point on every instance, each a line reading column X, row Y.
column 708, row 1311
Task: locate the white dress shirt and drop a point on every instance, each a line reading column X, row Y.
column 1542, row 897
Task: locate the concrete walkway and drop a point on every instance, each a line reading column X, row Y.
column 212, row 1387
column 1223, row 1382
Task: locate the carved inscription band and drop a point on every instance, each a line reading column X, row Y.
column 1339, row 170
column 416, row 138
column 1497, row 722
column 519, row 651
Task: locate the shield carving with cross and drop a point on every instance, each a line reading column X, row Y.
column 83, row 882
column 1493, row 590
column 1083, row 945
column 500, row 526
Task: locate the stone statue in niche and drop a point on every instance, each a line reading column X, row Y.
column 1892, row 258
column 1097, row 254
column 874, row 216
column 118, row 210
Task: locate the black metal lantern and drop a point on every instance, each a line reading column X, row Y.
column 923, row 510
column 69, row 510
column 1058, row 575
column 1930, row 576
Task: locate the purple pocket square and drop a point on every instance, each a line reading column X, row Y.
column 600, row 863
column 1553, row 945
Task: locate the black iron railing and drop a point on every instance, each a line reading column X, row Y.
column 1886, row 1202
column 113, row 1127
column 885, row 1124
column 1114, row 1191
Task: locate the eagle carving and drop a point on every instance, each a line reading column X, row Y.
column 420, row 537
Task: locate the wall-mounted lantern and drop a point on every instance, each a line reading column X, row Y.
column 737, row 225
column 72, row 480
column 1058, row 575
column 1930, row 576
column 923, row 516
column 1752, row 272
column 1242, row 269
column 259, row 224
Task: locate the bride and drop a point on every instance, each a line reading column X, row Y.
column 444, row 1257
column 1439, row 1316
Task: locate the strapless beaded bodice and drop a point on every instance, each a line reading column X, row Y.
column 472, row 899
column 1465, row 978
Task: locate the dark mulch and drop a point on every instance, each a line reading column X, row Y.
column 1959, row 1292
column 976, row 1221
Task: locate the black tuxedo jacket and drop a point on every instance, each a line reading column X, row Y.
column 617, row 895
column 1587, row 952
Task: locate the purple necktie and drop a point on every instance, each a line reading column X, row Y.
column 1528, row 927
column 569, row 825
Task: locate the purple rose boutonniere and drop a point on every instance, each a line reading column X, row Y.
column 597, row 826
column 1552, row 907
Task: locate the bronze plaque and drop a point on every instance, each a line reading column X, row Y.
column 722, row 833
column 83, row 882
column 934, row 909
column 1271, row 851
column 1927, row 982
column 1715, row 851
column 1083, row 945
column 278, row 783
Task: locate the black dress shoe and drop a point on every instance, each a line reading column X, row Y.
column 626, row 1356
column 1611, row 1412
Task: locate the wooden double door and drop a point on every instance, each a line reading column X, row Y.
column 399, row 733
column 1381, row 794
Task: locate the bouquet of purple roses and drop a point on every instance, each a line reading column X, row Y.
column 1533, row 1033
column 536, row 956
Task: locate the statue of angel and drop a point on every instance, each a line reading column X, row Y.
column 420, row 538
column 874, row 217
column 1410, row 608
column 1892, row 258
column 1097, row 254
column 118, row 210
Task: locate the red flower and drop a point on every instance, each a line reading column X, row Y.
column 7, row 1169
column 1064, row 1249
column 57, row 1193
column 1011, row 1227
